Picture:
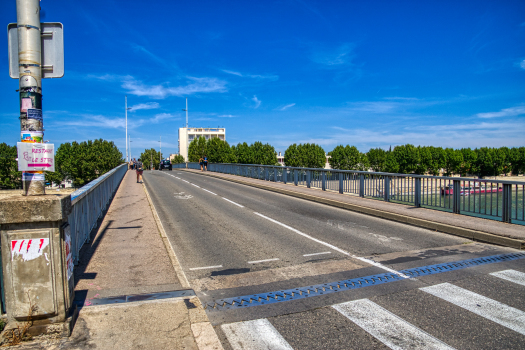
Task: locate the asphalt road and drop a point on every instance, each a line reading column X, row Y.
column 234, row 240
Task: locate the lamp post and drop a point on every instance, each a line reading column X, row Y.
column 160, row 155
column 128, row 156
column 129, row 138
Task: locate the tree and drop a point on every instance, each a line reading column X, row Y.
column 151, row 157
column 84, row 162
column 177, row 159
column 377, row 159
column 364, row 163
column 243, row 153
column 469, row 164
column 197, row 149
column 438, row 160
column 407, row 157
column 391, row 164
column 453, row 161
column 10, row 177
column 292, row 156
column 507, row 162
column 345, row 158
column 518, row 160
column 490, row 161
column 263, row 154
column 219, row 151
column 425, row 160
column 311, row 155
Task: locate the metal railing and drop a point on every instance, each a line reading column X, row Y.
column 88, row 205
column 179, row 166
column 490, row 199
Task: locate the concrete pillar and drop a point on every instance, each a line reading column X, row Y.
column 37, row 263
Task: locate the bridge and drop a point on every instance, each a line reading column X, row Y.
column 212, row 259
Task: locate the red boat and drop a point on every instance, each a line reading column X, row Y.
column 467, row 191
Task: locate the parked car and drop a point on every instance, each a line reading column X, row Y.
column 165, row 164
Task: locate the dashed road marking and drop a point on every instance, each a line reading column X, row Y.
column 261, row 261
column 317, row 254
column 237, row 204
column 205, row 267
column 209, row 191
column 368, row 261
column 195, row 185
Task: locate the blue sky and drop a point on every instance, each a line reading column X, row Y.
column 364, row 73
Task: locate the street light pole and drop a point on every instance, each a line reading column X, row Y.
column 129, row 138
column 128, row 157
column 160, row 155
column 30, row 86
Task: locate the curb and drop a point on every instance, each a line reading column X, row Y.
column 432, row 225
column 202, row 330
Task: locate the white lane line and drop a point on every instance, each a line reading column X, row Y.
column 177, row 177
column 317, row 254
column 368, row 261
column 493, row 310
column 261, row 261
column 185, row 181
column 232, row 202
column 254, row 335
column 511, row 275
column 210, row 192
column 205, row 267
column 195, row 185
column 388, row 328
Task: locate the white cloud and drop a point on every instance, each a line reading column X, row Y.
column 522, row 64
column 287, row 106
column 271, row 77
column 257, row 101
column 342, row 56
column 227, row 116
column 506, row 112
column 194, row 86
column 149, row 105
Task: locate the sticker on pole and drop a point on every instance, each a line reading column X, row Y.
column 36, row 156
column 28, row 249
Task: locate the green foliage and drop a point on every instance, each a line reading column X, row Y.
column 377, row 159
column 177, row 159
column 197, row 149
column 308, row 155
column 219, row 151
column 262, row 154
column 243, row 153
column 10, row 177
column 470, row 159
column 345, row 158
column 407, row 157
column 84, row 162
column 453, row 161
column 391, row 165
column 150, row 157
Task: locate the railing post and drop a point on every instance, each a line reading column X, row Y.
column 456, row 196
column 507, row 203
column 417, row 192
column 295, row 177
column 361, row 185
column 386, row 188
column 266, row 178
column 285, row 175
column 323, row 180
column 341, row 182
column 308, row 178
column 274, row 174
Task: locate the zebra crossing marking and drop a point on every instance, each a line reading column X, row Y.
column 511, row 276
column 254, row 335
column 490, row 309
column 388, row 328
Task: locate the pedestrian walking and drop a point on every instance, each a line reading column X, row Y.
column 201, row 162
column 205, row 161
column 139, row 168
column 130, row 164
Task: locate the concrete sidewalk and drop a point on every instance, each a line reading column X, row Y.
column 130, row 287
column 478, row 229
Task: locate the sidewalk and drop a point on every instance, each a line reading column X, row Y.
column 131, row 290
column 478, row 229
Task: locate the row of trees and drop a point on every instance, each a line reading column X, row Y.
column 80, row 162
column 219, row 151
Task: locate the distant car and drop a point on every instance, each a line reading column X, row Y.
column 165, row 164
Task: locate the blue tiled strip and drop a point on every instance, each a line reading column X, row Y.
column 339, row 286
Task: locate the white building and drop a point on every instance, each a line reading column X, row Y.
column 186, row 135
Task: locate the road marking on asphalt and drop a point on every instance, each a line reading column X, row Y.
column 205, row 267
column 490, row 309
column 317, row 254
column 254, row 335
column 368, row 261
column 261, row 261
column 195, row 185
column 177, row 177
column 210, row 192
column 237, row 204
column 388, row 328
column 384, row 238
column 511, row 275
